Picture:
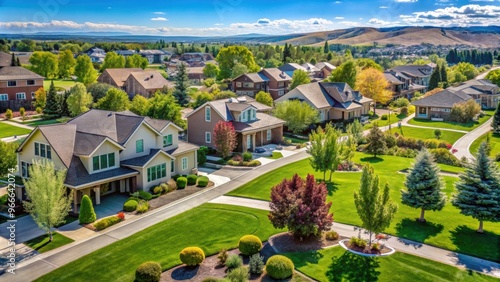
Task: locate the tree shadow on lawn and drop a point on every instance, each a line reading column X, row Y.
column 307, row 258
column 352, row 267
column 372, row 160
column 417, row 231
column 468, row 241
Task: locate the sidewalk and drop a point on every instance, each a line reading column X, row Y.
column 403, row 245
column 463, row 144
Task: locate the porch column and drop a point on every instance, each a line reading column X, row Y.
column 75, row 201
column 195, row 160
column 253, row 142
column 122, row 186
column 97, row 191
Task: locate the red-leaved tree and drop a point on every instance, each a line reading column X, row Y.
column 300, row 205
column 224, row 138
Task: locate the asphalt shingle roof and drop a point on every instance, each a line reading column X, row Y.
column 119, row 76
column 77, row 173
column 11, row 73
column 263, row 121
column 414, row 70
column 443, row 99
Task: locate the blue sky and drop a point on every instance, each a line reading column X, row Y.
column 227, row 17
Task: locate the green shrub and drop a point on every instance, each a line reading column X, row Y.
column 497, row 157
column 8, row 114
column 256, row 264
column 253, row 163
column 443, row 156
column 233, row 261
column 39, row 110
column 157, row 189
column 130, row 205
column 164, row 188
column 437, row 133
column 404, row 111
column 181, row 182
column 376, row 247
column 192, row 256
column 384, row 117
column 239, row 274
column 400, row 102
column 202, row 155
column 390, row 140
column 247, row 156
column 203, row 181
column 142, row 206
column 249, row 245
column 106, row 222
column 87, row 213
column 3, row 199
column 175, row 177
column 191, row 179
column 431, row 143
column 359, row 242
column 212, row 279
column 332, row 235
column 222, row 256
column 279, row 267
column 148, row 272
column 145, row 195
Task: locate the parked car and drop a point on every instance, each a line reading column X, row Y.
column 262, row 152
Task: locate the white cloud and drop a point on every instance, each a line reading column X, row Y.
column 467, row 15
column 159, row 13
column 378, row 22
column 383, row 7
column 339, row 18
column 338, row 2
column 159, row 19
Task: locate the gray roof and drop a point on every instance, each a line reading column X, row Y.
column 237, row 107
column 77, row 173
column 392, row 79
column 182, row 147
column 477, row 86
column 442, row 99
column 263, row 121
column 224, row 108
column 414, row 70
column 254, row 77
column 275, row 74
column 310, row 67
column 5, row 59
column 61, row 138
column 11, row 73
column 322, row 65
column 291, row 67
column 142, row 160
column 86, row 143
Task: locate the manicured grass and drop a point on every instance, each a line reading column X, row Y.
column 494, row 144
column 453, row 125
column 424, row 133
column 295, row 139
column 41, row 122
column 447, row 228
column 210, row 227
column 276, row 155
column 336, row 264
column 393, row 119
column 7, row 130
column 42, row 243
column 66, row 84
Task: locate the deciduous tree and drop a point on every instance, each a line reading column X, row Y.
column 376, row 141
column 299, row 77
column 113, row 61
column 424, row 185
column 79, row 100
column 44, row 64
column 211, row 70
column 495, row 124
column 232, row 55
column 264, row 98
column 114, row 100
column 140, row 105
column 84, row 70
column 40, row 98
column 49, row 202
column 9, row 156
column 372, row 84
column 98, row 90
column 296, row 114
column 478, row 190
column 164, row 106
column 224, row 138
column 136, row 61
column 494, row 76
column 66, row 64
column 346, row 72
column 325, row 150
column 238, row 69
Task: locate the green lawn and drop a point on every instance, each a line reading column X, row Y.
column 42, row 243
column 424, row 133
column 276, row 155
column 453, row 125
column 295, row 139
column 41, row 122
column 66, row 83
column 447, row 228
column 210, row 227
column 7, row 130
column 393, row 119
column 336, row 264
column 494, row 144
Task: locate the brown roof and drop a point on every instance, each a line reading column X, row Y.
column 392, row 79
column 195, row 70
column 276, row 74
column 150, row 79
column 263, row 121
column 5, row 59
column 254, row 77
column 119, row 76
column 443, row 99
column 61, row 138
column 11, row 73
column 182, row 147
column 327, row 65
column 237, row 107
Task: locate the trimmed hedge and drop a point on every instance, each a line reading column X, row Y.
column 149, row 271
column 192, row 256
column 142, row 206
column 203, row 181
column 191, row 179
column 279, row 267
column 181, row 182
column 249, row 245
column 106, row 222
column 130, row 205
column 87, row 213
column 247, row 156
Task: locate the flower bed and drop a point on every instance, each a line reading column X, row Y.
column 377, row 248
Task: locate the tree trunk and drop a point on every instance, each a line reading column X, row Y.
column 422, row 218
column 480, row 229
column 370, row 242
column 50, row 235
column 374, row 107
column 330, row 180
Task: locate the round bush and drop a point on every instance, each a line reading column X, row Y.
column 130, row 205
column 192, row 256
column 202, row 181
column 87, row 214
column 249, row 245
column 149, row 271
column 247, row 156
column 158, row 189
column 384, row 117
column 181, row 182
column 279, row 267
column 191, row 179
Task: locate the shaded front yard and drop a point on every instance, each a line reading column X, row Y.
column 42, row 244
column 453, row 125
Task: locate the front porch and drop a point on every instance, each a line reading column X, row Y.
column 248, row 141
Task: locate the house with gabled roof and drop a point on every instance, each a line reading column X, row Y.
column 135, row 80
column 116, row 76
column 325, row 68
column 107, row 152
column 438, row 106
column 253, row 125
column 418, row 75
column 17, row 87
column 333, row 100
column 482, row 91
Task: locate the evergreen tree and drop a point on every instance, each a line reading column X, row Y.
column 87, row 213
column 435, row 78
column 18, row 63
column 63, row 102
column 376, row 141
column 181, row 86
column 13, row 62
column 52, row 105
column 326, row 48
column 444, row 75
column 496, row 120
column 424, row 185
column 478, row 190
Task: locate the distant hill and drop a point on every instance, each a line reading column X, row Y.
column 486, row 37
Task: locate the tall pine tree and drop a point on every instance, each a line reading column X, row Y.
column 478, row 190
column 53, row 105
column 435, row 78
column 13, row 62
column 181, row 86
column 424, row 185
column 496, row 121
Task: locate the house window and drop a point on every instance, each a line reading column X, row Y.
column 253, row 114
column 157, row 172
column 4, row 97
column 207, row 113
column 167, row 140
column 238, row 84
column 184, row 163
column 172, row 166
column 249, row 115
column 25, row 169
column 281, row 92
column 269, row 135
column 30, row 82
column 208, row 137
column 43, row 150
column 32, row 95
column 249, row 142
column 111, row 159
column 21, row 96
column 281, row 84
column 103, row 161
column 139, row 146
column 248, row 84
column 12, row 83
column 95, row 163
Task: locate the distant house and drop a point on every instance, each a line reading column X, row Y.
column 107, row 152
column 195, row 74
column 482, row 91
column 333, row 100
column 278, row 81
column 155, row 56
column 271, row 80
column 194, row 59
column 418, row 74
column 325, row 68
column 17, row 87
column 125, row 53
column 135, row 80
column 401, row 85
column 254, row 127
column 438, row 106
column 97, row 55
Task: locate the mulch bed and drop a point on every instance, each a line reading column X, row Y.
column 383, row 250
column 176, row 195
column 285, row 242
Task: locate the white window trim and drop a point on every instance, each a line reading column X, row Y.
column 209, row 114
column 269, row 135
column 208, row 137
column 184, row 165
column 24, row 94
column 4, row 95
